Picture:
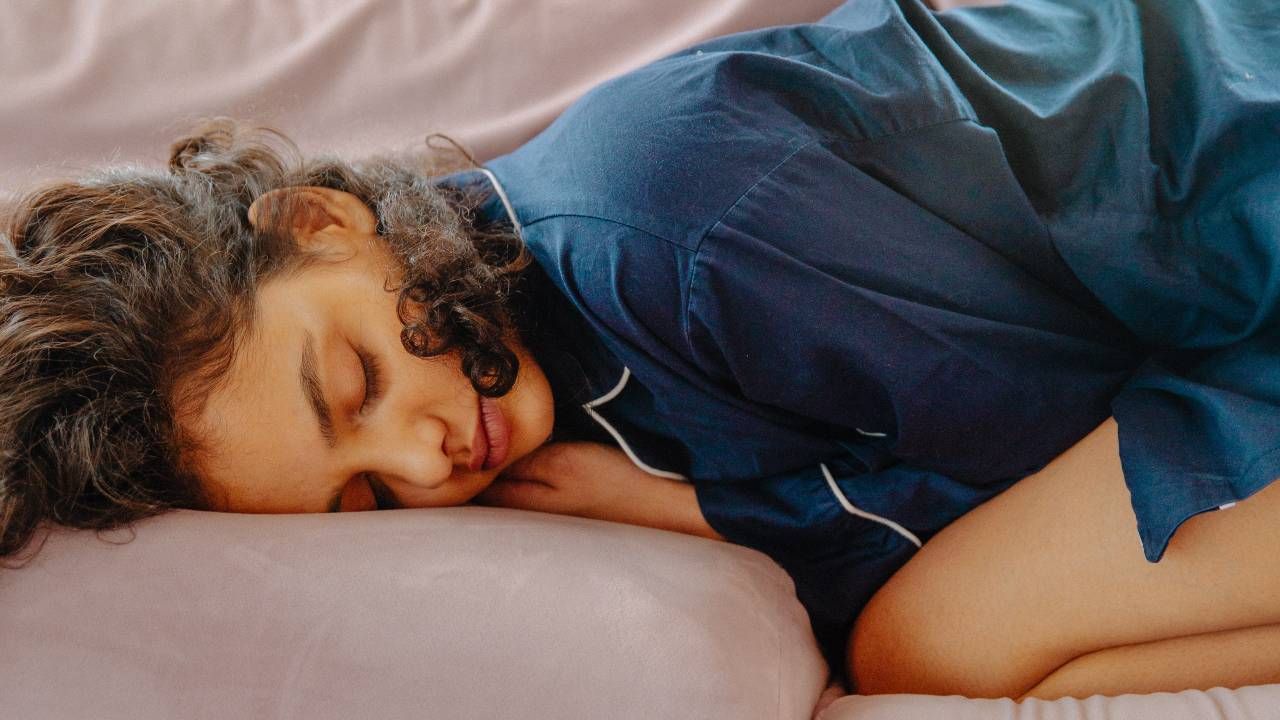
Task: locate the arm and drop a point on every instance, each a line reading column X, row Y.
column 668, row 505
column 598, row 481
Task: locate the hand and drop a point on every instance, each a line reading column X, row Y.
column 597, row 481
column 570, row 478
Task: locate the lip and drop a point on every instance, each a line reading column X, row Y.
column 492, row 436
column 479, row 442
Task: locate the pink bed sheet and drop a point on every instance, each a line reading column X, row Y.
column 89, row 82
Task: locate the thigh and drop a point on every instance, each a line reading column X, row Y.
column 1052, row 570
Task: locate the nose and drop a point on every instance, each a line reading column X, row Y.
column 414, row 451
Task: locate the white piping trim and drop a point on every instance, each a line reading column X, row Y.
column 617, row 390
column 1228, row 506
column 626, row 372
column 502, row 195
column 853, row 510
column 869, row 434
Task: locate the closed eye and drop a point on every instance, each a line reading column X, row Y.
column 372, row 379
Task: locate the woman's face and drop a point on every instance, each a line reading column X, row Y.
column 324, row 410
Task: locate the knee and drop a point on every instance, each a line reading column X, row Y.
column 888, row 650
column 910, row 642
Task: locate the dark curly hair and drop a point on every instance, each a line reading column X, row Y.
column 124, row 295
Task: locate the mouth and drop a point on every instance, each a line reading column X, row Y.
column 492, row 436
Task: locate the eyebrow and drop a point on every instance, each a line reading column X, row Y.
column 309, row 379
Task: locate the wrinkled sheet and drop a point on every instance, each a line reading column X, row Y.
column 95, row 82
column 1251, row 703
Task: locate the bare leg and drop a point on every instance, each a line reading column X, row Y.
column 1051, row 571
column 1232, row 658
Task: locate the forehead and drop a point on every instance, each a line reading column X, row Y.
column 257, row 434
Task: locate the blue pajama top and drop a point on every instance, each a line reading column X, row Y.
column 853, row 278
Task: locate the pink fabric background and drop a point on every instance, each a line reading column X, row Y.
column 87, row 82
column 92, row 82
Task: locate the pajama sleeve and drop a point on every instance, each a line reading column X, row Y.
column 1199, row 430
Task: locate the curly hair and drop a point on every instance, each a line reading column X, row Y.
column 124, row 295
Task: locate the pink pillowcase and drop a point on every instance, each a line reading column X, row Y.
column 441, row 613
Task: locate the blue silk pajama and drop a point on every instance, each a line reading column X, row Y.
column 853, row 278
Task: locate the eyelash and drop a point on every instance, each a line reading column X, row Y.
column 372, row 379
column 372, row 391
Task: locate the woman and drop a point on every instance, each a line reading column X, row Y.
column 820, row 290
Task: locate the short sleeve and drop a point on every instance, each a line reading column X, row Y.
column 1199, row 430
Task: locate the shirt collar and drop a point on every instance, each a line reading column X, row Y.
column 493, row 204
column 576, row 361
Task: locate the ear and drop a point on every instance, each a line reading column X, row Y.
column 314, row 215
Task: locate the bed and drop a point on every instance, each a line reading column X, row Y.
column 456, row 612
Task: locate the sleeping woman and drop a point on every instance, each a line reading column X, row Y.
column 970, row 320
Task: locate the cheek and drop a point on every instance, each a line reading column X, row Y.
column 536, row 410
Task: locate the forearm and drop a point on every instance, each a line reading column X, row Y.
column 663, row 504
column 598, row 481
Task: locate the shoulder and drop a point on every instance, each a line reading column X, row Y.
column 663, row 150
column 668, row 148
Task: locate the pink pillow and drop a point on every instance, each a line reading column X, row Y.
column 443, row 613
